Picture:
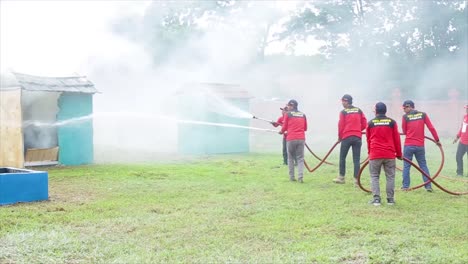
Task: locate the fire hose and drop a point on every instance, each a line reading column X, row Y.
column 317, row 157
column 308, row 148
column 366, row 162
column 429, row 179
column 324, row 159
column 321, row 160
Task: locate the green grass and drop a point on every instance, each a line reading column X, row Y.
column 230, row 209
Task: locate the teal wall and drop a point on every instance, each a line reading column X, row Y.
column 75, row 140
column 206, row 139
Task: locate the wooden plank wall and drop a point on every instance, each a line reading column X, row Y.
column 11, row 136
column 48, row 154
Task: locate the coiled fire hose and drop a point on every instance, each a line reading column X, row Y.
column 366, row 162
column 430, row 180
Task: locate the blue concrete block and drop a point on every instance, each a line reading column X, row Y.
column 20, row 185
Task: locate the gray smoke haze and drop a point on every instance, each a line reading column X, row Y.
column 39, row 107
column 137, row 109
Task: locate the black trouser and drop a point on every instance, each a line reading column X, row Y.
column 462, row 149
column 285, row 152
column 356, row 144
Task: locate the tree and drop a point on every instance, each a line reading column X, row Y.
column 407, row 35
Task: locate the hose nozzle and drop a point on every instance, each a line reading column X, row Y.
column 263, row 119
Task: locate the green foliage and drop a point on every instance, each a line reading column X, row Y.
column 228, row 209
column 409, row 28
column 406, row 37
column 402, row 39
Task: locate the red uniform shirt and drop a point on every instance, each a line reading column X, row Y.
column 351, row 123
column 383, row 138
column 412, row 125
column 463, row 132
column 295, row 124
column 279, row 122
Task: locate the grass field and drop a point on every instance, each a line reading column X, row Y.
column 231, row 209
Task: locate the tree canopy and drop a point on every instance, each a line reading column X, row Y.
column 407, row 36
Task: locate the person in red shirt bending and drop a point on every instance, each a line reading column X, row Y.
column 412, row 124
column 383, row 145
column 295, row 125
column 462, row 148
column 350, row 126
column 279, row 122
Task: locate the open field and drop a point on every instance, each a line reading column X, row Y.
column 236, row 208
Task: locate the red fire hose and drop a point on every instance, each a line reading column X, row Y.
column 317, row 157
column 420, row 170
column 321, row 160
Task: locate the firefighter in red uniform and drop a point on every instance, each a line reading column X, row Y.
column 412, row 124
column 279, row 122
column 383, row 144
column 295, row 125
column 462, row 148
column 350, row 126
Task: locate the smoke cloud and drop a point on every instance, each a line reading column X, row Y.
column 138, row 106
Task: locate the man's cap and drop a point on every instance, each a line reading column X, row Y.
column 292, row 102
column 380, row 108
column 408, row 103
column 348, row 98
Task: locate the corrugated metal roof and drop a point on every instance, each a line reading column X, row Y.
column 77, row 84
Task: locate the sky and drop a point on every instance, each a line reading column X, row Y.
column 57, row 38
column 66, row 38
column 60, row 38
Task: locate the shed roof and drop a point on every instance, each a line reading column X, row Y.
column 77, row 84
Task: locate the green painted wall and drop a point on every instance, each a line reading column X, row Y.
column 205, row 139
column 75, row 140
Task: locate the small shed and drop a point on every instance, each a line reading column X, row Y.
column 216, row 109
column 45, row 120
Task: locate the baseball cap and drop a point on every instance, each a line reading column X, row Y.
column 348, row 98
column 380, row 108
column 292, row 102
column 408, row 103
column 466, row 106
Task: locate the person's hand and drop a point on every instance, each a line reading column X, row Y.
column 399, row 157
column 281, row 132
column 438, row 143
column 274, row 124
column 455, row 140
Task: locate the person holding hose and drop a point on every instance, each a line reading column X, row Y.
column 383, row 145
column 295, row 125
column 352, row 122
column 412, row 124
column 462, row 148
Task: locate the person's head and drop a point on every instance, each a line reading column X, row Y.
column 346, row 100
column 292, row 105
column 380, row 108
column 408, row 105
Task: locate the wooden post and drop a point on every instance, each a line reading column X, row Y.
column 11, row 132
